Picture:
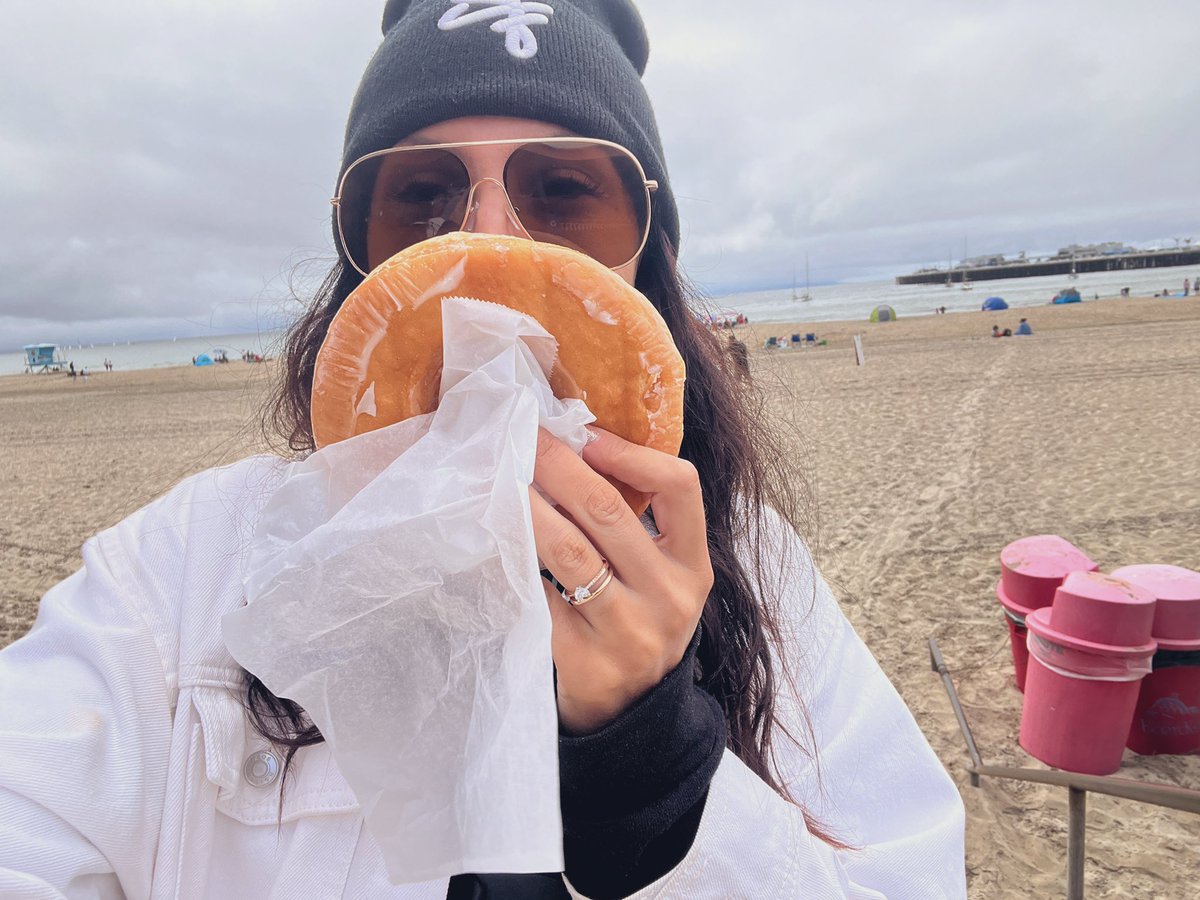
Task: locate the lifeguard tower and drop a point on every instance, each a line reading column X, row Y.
column 43, row 358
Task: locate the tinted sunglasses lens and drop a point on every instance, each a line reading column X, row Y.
column 398, row 199
column 588, row 197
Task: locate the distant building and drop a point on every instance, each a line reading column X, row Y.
column 1110, row 256
column 976, row 262
column 1108, row 248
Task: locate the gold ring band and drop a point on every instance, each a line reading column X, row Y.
column 592, row 589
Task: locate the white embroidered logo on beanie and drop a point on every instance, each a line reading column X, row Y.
column 513, row 20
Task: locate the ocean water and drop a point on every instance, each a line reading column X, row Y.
column 849, row 301
column 153, row 354
column 842, row 302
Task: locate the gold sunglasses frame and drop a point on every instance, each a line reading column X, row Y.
column 649, row 185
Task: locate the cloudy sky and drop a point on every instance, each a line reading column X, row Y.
column 165, row 165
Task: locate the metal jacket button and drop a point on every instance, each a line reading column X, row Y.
column 261, row 768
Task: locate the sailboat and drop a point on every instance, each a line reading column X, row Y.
column 966, row 285
column 806, row 296
column 1073, row 275
column 950, row 270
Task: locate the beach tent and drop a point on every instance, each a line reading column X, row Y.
column 992, row 304
column 883, row 314
column 203, row 360
column 1067, row 295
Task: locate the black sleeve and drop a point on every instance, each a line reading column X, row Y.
column 633, row 792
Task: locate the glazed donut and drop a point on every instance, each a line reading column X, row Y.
column 614, row 350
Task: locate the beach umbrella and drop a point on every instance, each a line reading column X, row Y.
column 992, row 304
column 883, row 314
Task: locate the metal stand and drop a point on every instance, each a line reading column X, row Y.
column 1076, row 828
column 1077, row 785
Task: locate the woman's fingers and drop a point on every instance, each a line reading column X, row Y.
column 673, row 486
column 571, row 558
column 619, row 643
column 596, row 507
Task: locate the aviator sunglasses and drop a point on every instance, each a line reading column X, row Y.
column 586, row 194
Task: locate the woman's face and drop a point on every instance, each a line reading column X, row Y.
column 492, row 214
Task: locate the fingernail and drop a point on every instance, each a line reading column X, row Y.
column 592, row 437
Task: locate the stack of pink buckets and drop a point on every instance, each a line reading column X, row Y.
column 1105, row 661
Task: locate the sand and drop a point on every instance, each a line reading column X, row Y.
column 925, row 462
column 81, row 454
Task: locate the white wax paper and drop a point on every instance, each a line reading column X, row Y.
column 393, row 592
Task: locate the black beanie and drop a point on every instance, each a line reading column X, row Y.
column 573, row 63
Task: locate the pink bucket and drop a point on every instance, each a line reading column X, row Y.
column 1031, row 570
column 1080, row 694
column 1167, row 717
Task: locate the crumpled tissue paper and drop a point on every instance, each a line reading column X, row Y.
column 393, row 592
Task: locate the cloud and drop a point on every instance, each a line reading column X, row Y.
column 885, row 137
column 168, row 161
column 166, row 164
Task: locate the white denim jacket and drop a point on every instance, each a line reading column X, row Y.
column 124, row 746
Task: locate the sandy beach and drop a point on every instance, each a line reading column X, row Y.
column 923, row 464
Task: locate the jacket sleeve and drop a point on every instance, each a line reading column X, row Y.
column 85, row 725
column 859, row 765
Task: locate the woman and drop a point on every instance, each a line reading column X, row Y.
column 723, row 731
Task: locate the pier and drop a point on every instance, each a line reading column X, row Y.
column 1058, row 265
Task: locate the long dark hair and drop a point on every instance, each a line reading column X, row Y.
column 743, row 471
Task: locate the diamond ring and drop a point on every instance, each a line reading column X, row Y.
column 592, row 589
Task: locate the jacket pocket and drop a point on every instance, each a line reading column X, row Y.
column 249, row 772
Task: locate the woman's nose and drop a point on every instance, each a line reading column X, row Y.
column 490, row 211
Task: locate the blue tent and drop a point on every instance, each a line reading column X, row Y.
column 992, row 304
column 1067, row 295
column 203, row 360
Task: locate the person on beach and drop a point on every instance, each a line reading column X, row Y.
column 742, row 743
column 1023, row 327
column 996, row 331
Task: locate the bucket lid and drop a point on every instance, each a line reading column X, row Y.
column 1177, row 614
column 1038, row 622
column 1093, row 607
column 1033, row 567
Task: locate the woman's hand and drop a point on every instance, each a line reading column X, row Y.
column 615, row 647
